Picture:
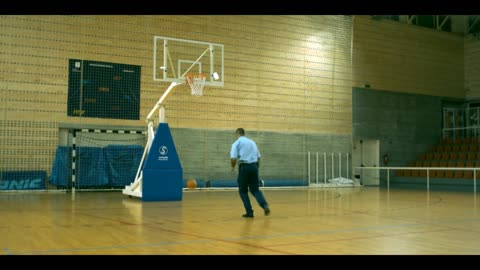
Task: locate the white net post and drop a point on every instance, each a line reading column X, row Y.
column 308, row 167
column 340, row 165
column 316, row 168
column 325, row 168
column 347, row 164
column 333, row 162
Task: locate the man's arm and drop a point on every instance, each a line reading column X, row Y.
column 234, row 155
column 233, row 162
column 258, row 158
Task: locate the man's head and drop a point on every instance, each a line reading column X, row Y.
column 240, row 132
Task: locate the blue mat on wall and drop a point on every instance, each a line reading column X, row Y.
column 113, row 166
column 61, row 174
column 23, row 180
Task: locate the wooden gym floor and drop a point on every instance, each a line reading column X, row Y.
column 361, row 220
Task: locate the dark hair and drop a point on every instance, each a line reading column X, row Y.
column 240, row 131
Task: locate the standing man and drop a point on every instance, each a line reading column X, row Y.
column 245, row 152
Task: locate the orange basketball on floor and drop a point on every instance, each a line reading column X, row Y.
column 192, row 183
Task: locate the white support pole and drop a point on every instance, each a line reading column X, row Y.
column 474, row 180
column 165, row 58
column 74, row 158
column 388, row 178
column 333, row 177
column 138, row 176
column 340, row 165
column 154, row 58
column 428, row 175
column 347, row 165
column 159, row 102
column 172, row 67
column 325, row 167
column 135, row 189
column 308, row 170
column 150, row 133
column 316, row 168
column 212, row 60
column 428, row 183
column 161, row 115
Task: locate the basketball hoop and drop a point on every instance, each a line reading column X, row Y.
column 196, row 82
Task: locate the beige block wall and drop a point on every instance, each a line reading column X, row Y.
column 394, row 56
column 472, row 68
column 282, row 74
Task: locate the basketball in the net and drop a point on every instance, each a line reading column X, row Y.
column 191, row 183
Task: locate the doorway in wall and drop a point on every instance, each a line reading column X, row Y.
column 366, row 153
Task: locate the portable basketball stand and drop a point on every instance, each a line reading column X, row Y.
column 165, row 162
column 148, row 184
column 160, row 176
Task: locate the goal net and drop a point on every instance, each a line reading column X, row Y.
column 98, row 159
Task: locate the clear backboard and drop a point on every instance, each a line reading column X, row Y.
column 174, row 58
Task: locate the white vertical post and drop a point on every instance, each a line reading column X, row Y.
column 347, row 165
column 316, row 168
column 340, row 165
column 428, row 184
column 475, row 181
column 212, row 60
column 325, row 167
column 74, row 159
column 308, row 167
column 388, row 178
column 165, row 57
column 428, row 175
column 333, row 177
column 155, row 57
column 161, row 115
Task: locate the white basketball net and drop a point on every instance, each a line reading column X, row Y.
column 196, row 82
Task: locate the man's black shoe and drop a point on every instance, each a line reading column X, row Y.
column 267, row 211
column 247, row 215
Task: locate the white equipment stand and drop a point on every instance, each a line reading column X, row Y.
column 158, row 177
column 196, row 82
column 135, row 189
